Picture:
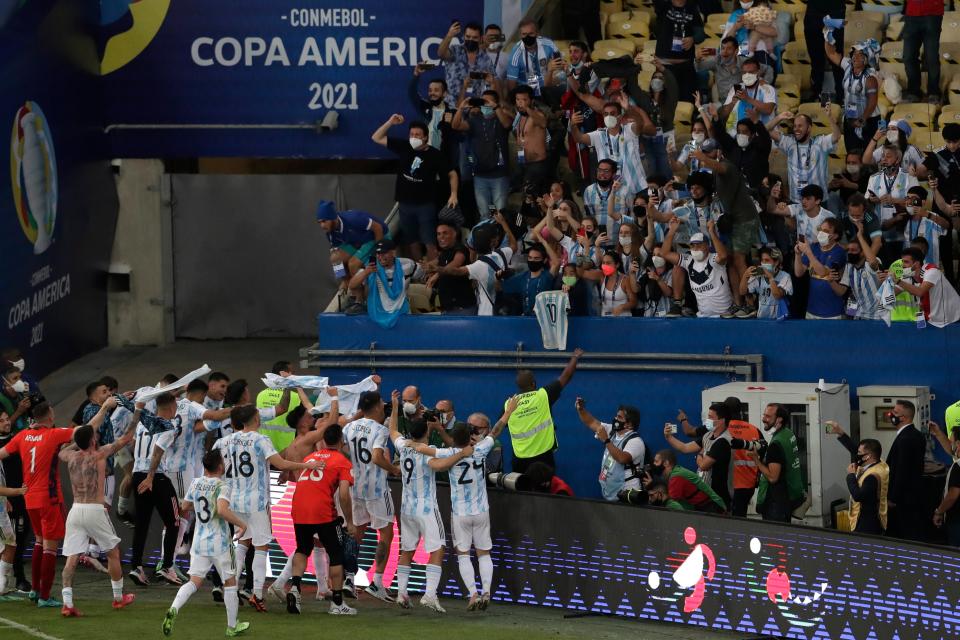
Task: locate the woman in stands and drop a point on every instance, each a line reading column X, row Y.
column 861, row 91
column 617, row 297
column 897, row 133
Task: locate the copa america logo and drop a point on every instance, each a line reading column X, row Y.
column 33, row 170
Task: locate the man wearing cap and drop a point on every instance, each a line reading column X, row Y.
column 706, row 270
column 386, row 288
column 352, row 234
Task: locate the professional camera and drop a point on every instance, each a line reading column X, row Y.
column 387, row 409
column 34, row 397
column 510, row 481
column 431, row 415
column 633, row 496
column 760, row 446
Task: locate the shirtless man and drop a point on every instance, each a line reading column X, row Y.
column 530, row 130
column 86, row 462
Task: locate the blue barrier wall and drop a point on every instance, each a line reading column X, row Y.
column 859, row 353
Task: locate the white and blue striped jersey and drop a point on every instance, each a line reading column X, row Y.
column 807, row 162
column 597, row 202
column 468, row 480
column 212, row 536
column 767, row 304
column 864, row 285
column 226, row 426
column 694, row 219
column 182, row 452
column 419, row 481
column 121, row 416
column 245, row 455
column 807, row 226
column 362, row 437
column 930, row 231
column 551, row 309
column 144, row 443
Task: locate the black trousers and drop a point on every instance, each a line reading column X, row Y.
column 813, row 32
column 163, row 498
column 741, row 500
column 775, row 511
column 581, row 13
column 21, row 528
column 520, row 465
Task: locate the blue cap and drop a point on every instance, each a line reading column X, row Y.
column 326, row 210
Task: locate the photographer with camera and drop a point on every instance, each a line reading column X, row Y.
column 623, row 448
column 684, row 486
column 781, row 487
column 486, row 124
column 713, row 450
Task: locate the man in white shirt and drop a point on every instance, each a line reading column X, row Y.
column 705, row 269
column 939, row 301
column 751, row 95
column 806, row 217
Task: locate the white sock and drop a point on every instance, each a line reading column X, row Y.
column 184, row 526
column 321, row 568
column 5, row 569
column 187, row 590
column 378, row 579
column 259, row 571
column 232, row 602
column 241, row 560
column 433, row 580
column 467, row 573
column 286, row 573
column 403, row 575
column 486, row 572
column 117, row 587
column 67, row 596
column 123, row 504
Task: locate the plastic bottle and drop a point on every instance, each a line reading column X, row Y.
column 339, row 271
column 921, row 320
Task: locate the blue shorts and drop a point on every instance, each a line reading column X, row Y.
column 418, row 222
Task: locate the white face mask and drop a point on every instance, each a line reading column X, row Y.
column 708, row 423
column 659, row 262
column 626, row 241
column 416, row 143
column 893, row 137
column 746, row 5
column 656, row 85
column 743, row 140
column 19, row 386
column 698, row 255
column 853, row 169
column 911, row 209
column 698, row 137
column 610, row 121
column 19, row 364
column 749, row 79
column 409, row 408
column 823, row 238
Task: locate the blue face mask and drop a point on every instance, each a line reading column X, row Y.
column 487, row 111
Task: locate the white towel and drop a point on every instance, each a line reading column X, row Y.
column 145, row 394
column 348, row 396
column 273, row 381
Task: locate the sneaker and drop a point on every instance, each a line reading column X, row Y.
column 675, row 311
column 355, row 309
column 237, row 630
column 403, row 601
column 293, row 601
column 139, row 577
column 349, row 591
column 33, row 596
column 217, row 593
column 258, row 604
column 70, row 612
column 689, row 313
column 276, row 590
column 171, row 577
column 341, row 610
column 934, row 99
column 24, row 587
column 49, row 603
column 168, row 621
column 244, row 594
column 474, row 602
column 431, row 602
column 180, row 574
column 323, row 595
column 746, row 312
column 484, row 602
column 183, row 550
column 731, row 312
column 124, row 601
column 126, row 518
column 379, row 592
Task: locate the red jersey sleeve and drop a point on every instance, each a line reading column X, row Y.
column 346, row 471
column 63, row 436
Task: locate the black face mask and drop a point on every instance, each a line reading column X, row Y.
column 639, row 210
column 604, row 183
column 436, row 101
column 700, row 200
column 535, row 265
column 861, row 460
column 471, row 45
column 854, row 258
column 529, row 41
column 895, row 420
column 656, row 469
column 618, row 424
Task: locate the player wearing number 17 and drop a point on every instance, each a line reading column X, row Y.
column 248, row 455
column 38, row 448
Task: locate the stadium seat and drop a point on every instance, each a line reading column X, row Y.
column 950, row 31
column 928, row 141
column 632, row 16
column 838, row 158
column 949, row 62
column 794, row 7
column 650, row 46
column 646, row 5
column 886, row 108
column 891, row 60
column 885, row 8
column 715, row 25
column 684, row 114
column 629, row 28
column 859, row 29
column 859, row 16
column 611, row 49
column 796, row 62
column 953, row 91
column 919, row 115
column 950, row 113
column 611, row 6
column 788, row 84
column 815, row 111
column 563, row 46
column 894, row 30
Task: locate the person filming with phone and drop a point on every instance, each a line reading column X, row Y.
column 623, row 448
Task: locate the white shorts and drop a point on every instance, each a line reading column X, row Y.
column 226, row 564
column 181, row 481
column 430, row 528
column 87, row 521
column 471, row 531
column 258, row 530
column 8, row 535
column 378, row 513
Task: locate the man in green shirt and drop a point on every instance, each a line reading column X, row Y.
column 781, row 483
column 271, row 397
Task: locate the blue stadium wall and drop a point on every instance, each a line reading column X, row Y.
column 859, row 353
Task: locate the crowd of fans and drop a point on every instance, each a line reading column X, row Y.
column 670, row 174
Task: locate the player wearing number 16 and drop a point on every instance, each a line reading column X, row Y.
column 38, row 448
column 248, row 455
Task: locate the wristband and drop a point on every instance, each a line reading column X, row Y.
column 607, row 441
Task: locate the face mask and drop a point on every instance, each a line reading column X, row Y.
column 604, row 183
column 436, row 102
column 746, row 5
column 743, row 140
column 891, row 168
column 853, row 258
column 409, row 409
column 535, row 265
column 495, row 46
column 639, row 210
column 911, row 209
column 626, row 241
column 659, row 262
column 708, row 423
column 656, row 85
column 529, row 41
column 698, row 255
column 569, row 280
column 487, row 111
column 416, row 143
column 861, row 460
column 471, row 45
column 853, row 169
column 749, row 79
column 19, row 386
column 698, row 137
column 769, row 268
column 608, row 269
column 19, row 364
column 893, row 137
column 610, row 121
column 823, row 238
column 618, row 424
column 656, row 469
column 895, row 419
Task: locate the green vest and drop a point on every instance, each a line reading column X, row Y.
column 951, row 418
column 906, row 307
column 271, row 398
column 673, row 505
column 791, row 469
column 531, row 425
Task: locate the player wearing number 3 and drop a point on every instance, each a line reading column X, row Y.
column 248, row 455
column 211, row 498
column 419, row 513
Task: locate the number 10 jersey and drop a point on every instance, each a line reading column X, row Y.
column 363, row 436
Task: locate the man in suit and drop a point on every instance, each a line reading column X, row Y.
column 905, row 460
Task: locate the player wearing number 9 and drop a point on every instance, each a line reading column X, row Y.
column 248, row 456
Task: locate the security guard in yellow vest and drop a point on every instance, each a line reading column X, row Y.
column 531, row 425
column 868, row 480
column 277, row 429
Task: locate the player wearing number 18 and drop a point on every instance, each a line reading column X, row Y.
column 248, row 456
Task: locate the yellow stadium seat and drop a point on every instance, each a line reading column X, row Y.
column 838, row 158
column 884, row 105
column 860, row 29
column 612, row 49
column 650, row 46
column 953, row 91
column 643, row 77
column 895, row 30
column 872, row 16
column 794, row 7
column 684, row 114
column 798, row 33
column 629, row 29
column 949, row 62
column 950, row 113
column 950, row 32
column 639, row 4
column 788, row 85
column 632, row 16
column 815, row 111
column 563, row 46
column 787, row 103
column 611, row 6
column 716, row 24
column 891, row 60
column 796, row 62
column 927, row 140
column 919, row 115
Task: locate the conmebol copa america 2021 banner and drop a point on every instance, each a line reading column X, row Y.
column 216, row 67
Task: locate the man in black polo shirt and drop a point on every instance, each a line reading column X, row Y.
column 419, row 172
column 455, row 292
column 486, row 137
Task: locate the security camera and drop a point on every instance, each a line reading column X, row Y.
column 330, row 121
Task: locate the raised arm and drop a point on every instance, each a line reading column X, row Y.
column 394, row 415
column 585, row 416
column 380, row 135
column 834, row 56
column 718, row 245
column 284, row 405
column 277, row 461
column 459, row 122
column 571, row 367
column 505, row 418
column 109, row 405
column 443, row 51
